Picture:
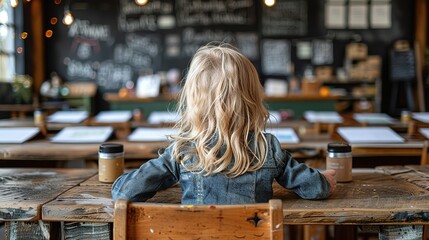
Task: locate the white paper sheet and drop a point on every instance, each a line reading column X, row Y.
column 142, row 134
column 17, row 134
column 83, row 134
column 323, row 117
column 157, row 117
column 68, row 117
column 377, row 118
column 369, row 135
column 421, row 116
column 275, row 117
column 424, row 132
column 113, row 116
column 381, row 15
column 284, row 135
column 335, row 15
column 358, row 16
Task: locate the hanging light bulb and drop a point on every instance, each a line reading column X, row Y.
column 141, row 2
column 13, row 3
column 270, row 3
column 68, row 18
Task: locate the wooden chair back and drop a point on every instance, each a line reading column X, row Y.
column 175, row 221
column 425, row 155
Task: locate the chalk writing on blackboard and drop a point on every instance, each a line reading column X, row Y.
column 139, row 51
column 323, row 52
column 212, row 12
column 285, row 18
column 112, row 75
column 150, row 16
column 193, row 39
column 275, row 56
column 248, row 44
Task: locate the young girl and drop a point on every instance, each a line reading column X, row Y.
column 221, row 154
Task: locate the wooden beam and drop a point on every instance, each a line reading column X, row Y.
column 38, row 48
column 420, row 37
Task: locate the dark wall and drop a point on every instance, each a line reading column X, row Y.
column 113, row 41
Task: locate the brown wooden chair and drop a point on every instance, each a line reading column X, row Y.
column 175, row 221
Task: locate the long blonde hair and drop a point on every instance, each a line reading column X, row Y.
column 222, row 115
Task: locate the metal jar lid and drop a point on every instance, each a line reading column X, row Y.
column 111, row 148
column 339, row 148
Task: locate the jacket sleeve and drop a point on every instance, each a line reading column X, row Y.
column 307, row 182
column 143, row 183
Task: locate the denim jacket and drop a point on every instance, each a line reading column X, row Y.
column 251, row 187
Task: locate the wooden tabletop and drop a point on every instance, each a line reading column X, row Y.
column 46, row 150
column 375, row 196
column 23, row 191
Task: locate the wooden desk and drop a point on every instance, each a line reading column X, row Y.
column 23, row 191
column 386, row 196
column 48, row 151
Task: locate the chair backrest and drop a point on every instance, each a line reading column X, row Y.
column 175, row 221
column 425, row 155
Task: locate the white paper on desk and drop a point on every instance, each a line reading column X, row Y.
column 421, row 116
column 68, row 117
column 113, row 116
column 158, row 117
column 377, row 118
column 323, row 117
column 369, row 135
column 424, row 132
column 275, row 117
column 17, row 134
column 83, row 134
column 284, row 135
column 143, row 134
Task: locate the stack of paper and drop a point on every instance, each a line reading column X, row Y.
column 421, row 116
column 83, row 135
column 158, row 117
column 376, row 118
column 275, row 117
column 369, row 135
column 113, row 116
column 142, row 134
column 424, row 132
column 68, row 117
column 323, row 117
column 284, row 135
column 17, row 134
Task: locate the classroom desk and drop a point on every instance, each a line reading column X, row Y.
column 310, row 147
column 393, row 196
column 23, row 191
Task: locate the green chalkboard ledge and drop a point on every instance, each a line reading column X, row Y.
column 297, row 103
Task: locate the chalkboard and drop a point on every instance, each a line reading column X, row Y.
column 112, row 42
column 287, row 18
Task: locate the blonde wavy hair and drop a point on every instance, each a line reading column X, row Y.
column 222, row 115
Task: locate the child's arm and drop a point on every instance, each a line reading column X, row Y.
column 143, row 183
column 330, row 176
column 307, row 182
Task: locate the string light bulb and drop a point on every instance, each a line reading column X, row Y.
column 13, row 3
column 141, row 2
column 68, row 18
column 270, row 3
